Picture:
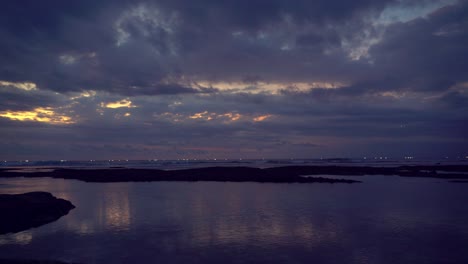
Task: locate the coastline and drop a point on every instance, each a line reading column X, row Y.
column 284, row 174
column 24, row 211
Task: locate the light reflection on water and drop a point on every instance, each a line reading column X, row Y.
column 383, row 220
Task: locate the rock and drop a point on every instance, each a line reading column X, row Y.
column 23, row 211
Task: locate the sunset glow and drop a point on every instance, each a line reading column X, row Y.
column 40, row 114
column 125, row 103
column 377, row 78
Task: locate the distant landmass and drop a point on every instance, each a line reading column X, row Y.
column 284, row 174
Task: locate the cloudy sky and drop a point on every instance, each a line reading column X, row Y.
column 164, row 79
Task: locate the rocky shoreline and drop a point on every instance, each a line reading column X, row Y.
column 24, row 211
column 286, row 174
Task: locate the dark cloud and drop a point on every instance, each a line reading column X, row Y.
column 248, row 14
column 256, row 78
column 18, row 100
column 158, row 39
column 426, row 54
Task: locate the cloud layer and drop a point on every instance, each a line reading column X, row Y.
column 233, row 79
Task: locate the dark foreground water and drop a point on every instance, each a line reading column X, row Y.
column 382, row 220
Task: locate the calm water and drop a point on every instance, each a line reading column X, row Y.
column 382, row 220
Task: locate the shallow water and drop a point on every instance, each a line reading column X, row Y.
column 385, row 219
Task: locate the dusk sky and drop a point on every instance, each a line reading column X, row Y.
column 166, row 79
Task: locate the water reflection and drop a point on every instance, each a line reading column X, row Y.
column 114, row 207
column 21, row 238
column 245, row 222
column 235, row 216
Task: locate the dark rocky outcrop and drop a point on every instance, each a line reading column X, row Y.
column 23, row 211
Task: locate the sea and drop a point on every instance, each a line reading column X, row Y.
column 384, row 219
column 258, row 163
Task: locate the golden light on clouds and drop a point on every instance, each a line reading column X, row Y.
column 26, row 86
column 125, row 103
column 232, row 116
column 228, row 117
column 85, row 94
column 261, row 118
column 271, row 87
column 120, row 116
column 40, row 114
column 203, row 115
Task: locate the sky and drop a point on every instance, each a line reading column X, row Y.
column 185, row 79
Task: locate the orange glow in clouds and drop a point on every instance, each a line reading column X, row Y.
column 26, row 86
column 227, row 117
column 40, row 114
column 261, row 118
column 125, row 103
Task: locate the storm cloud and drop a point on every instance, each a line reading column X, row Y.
column 233, row 79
